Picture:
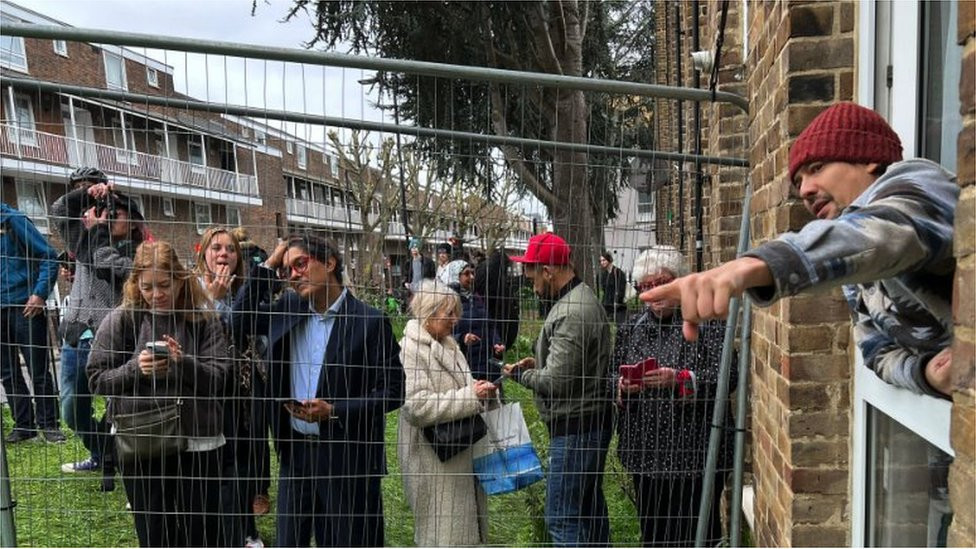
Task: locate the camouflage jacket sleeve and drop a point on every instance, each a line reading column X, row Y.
column 903, row 222
column 894, row 363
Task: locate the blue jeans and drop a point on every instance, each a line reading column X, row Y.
column 76, row 400
column 576, row 511
column 27, row 337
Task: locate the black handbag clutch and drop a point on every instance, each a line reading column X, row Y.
column 450, row 438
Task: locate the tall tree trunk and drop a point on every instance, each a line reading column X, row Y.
column 573, row 211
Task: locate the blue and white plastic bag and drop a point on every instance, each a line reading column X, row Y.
column 505, row 460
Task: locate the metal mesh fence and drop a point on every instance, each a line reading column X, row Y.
column 277, row 320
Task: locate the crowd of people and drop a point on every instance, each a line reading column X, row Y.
column 201, row 362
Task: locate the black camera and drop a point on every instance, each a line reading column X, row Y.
column 107, row 203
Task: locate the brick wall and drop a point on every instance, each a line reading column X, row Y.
column 961, row 476
column 800, row 60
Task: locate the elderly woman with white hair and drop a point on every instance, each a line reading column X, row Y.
column 666, row 409
column 449, row 506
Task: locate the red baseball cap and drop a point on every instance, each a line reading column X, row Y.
column 545, row 249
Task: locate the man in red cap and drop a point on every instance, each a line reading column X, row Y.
column 568, row 377
column 884, row 232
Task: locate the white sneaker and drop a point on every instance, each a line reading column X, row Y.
column 253, row 542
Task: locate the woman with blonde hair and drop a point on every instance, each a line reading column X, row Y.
column 161, row 357
column 220, row 266
column 221, row 270
column 449, row 506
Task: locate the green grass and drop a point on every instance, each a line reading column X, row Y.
column 55, row 509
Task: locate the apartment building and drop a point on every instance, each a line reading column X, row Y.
column 839, row 457
column 187, row 169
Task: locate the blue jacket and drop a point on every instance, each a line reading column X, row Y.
column 28, row 263
column 474, row 319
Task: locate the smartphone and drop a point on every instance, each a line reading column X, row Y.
column 288, row 400
column 633, row 374
column 159, row 349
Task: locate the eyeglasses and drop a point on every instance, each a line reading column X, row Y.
column 651, row 284
column 299, row 267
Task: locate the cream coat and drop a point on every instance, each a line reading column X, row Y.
column 449, row 506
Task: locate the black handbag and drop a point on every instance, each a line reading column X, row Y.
column 450, row 438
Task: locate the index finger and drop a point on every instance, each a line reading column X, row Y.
column 671, row 290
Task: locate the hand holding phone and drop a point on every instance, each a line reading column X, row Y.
column 633, row 374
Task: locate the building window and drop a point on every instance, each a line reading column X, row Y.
column 23, row 111
column 139, row 203
column 125, row 142
column 168, row 209
column 907, row 493
column 114, row 71
column 940, row 121
column 645, row 202
column 233, row 217
column 152, row 77
column 302, row 154
column 334, row 167
column 201, row 214
column 261, row 137
column 289, row 147
column 12, row 53
column 61, row 48
column 31, row 201
column 194, row 144
column 245, row 133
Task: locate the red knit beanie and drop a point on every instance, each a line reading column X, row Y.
column 846, row 132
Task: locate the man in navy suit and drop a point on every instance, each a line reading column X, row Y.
column 333, row 373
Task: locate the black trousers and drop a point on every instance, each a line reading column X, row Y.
column 668, row 510
column 237, row 489
column 340, row 506
column 27, row 337
column 176, row 499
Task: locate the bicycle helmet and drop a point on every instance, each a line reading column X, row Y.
column 93, row 175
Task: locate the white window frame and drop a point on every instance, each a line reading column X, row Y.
column 106, row 56
column 140, row 203
column 168, row 208
column 301, row 153
column 36, row 190
column 334, row 166
column 60, row 47
column 235, row 213
column 191, row 141
column 125, row 145
column 202, row 216
column 926, row 416
column 289, row 147
column 261, row 137
column 27, row 129
column 18, row 62
column 152, row 77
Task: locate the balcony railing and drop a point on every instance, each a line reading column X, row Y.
column 324, row 214
column 58, row 149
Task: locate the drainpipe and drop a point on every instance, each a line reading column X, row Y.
column 679, row 129
column 699, row 176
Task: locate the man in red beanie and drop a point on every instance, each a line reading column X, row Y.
column 568, row 377
column 883, row 231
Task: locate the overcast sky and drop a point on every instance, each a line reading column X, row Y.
column 219, row 79
column 257, row 83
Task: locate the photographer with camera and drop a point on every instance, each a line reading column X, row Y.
column 102, row 229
